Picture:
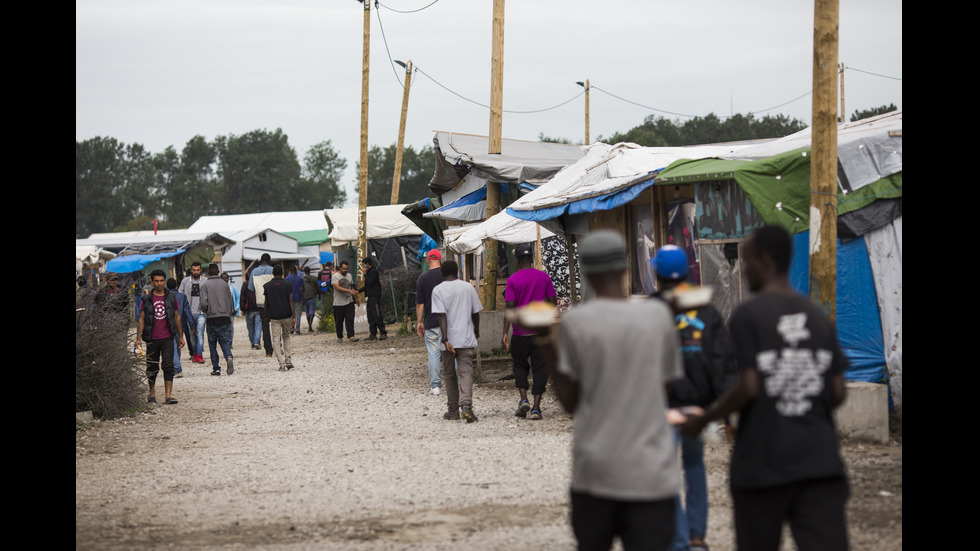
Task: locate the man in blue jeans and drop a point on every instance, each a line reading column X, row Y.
column 427, row 326
column 709, row 371
column 191, row 287
column 218, row 305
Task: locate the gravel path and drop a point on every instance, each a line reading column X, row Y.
column 346, row 451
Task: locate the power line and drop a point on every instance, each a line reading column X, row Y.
column 390, row 62
column 446, row 88
column 873, row 74
column 404, row 11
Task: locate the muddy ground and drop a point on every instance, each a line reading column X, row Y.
column 349, row 451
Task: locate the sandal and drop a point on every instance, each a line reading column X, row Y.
column 151, row 400
column 170, row 400
column 535, row 415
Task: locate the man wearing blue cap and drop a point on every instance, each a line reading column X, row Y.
column 709, row 371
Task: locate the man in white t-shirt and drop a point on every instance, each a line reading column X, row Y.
column 458, row 307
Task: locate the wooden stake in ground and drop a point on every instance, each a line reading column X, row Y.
column 363, row 172
column 396, row 180
column 823, row 160
column 490, row 263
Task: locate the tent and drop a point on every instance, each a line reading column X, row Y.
column 392, row 237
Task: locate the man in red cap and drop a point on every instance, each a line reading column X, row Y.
column 428, row 323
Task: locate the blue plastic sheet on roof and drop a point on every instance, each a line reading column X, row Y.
column 325, row 257
column 426, row 244
column 592, row 204
column 135, row 262
column 858, row 321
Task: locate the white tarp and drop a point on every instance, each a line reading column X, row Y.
column 383, row 222
column 303, row 220
column 502, row 226
column 885, row 253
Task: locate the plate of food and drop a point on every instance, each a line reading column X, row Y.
column 535, row 314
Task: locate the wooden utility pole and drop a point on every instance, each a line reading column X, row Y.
column 490, row 264
column 396, row 180
column 363, row 172
column 823, row 159
column 587, row 142
column 843, row 112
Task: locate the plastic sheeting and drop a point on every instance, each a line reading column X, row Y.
column 858, row 322
column 136, row 262
column 383, row 221
column 885, row 254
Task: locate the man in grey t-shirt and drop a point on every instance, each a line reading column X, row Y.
column 458, row 307
column 344, row 302
column 615, row 357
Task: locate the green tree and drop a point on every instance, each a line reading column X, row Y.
column 661, row 132
column 112, row 184
column 868, row 113
column 259, row 171
column 323, row 169
column 417, row 168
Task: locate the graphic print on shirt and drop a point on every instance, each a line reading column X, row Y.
column 690, row 328
column 793, row 375
column 159, row 310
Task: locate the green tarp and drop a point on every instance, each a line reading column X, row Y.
column 777, row 186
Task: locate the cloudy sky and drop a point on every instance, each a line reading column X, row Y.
column 159, row 72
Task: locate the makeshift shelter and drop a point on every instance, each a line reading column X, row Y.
column 708, row 198
column 249, row 247
column 90, row 261
column 173, row 250
column 392, row 238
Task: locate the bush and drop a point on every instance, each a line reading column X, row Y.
column 109, row 380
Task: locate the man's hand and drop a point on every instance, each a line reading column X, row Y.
column 506, row 341
column 180, row 343
column 692, row 426
column 450, row 349
column 420, row 328
column 292, row 322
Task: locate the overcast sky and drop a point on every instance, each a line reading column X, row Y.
column 160, row 72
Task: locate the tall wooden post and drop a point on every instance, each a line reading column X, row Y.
column 490, row 262
column 823, row 160
column 587, row 142
column 363, row 172
column 396, row 180
column 843, row 112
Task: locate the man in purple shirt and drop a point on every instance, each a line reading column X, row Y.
column 524, row 286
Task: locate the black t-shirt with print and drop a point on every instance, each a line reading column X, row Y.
column 787, row 433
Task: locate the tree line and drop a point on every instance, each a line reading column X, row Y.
column 121, row 187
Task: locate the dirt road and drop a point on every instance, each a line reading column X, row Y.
column 349, row 451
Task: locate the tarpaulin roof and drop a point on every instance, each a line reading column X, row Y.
column 383, row 221
column 281, row 221
column 518, row 161
column 310, row 237
column 150, row 242
column 136, row 262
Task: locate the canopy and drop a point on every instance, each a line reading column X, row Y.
column 281, row 221
column 136, row 262
column 383, row 221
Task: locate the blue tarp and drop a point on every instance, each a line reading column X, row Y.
column 325, row 257
column 858, row 321
column 426, row 244
column 135, row 262
column 607, row 201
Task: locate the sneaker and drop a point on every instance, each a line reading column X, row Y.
column 198, row 359
column 289, row 366
column 535, row 415
column 523, row 408
column 231, row 365
column 340, row 340
column 216, row 373
column 353, row 339
column 468, row 414
column 256, row 347
column 451, row 416
column 179, row 375
column 698, row 545
column 372, row 338
column 434, row 391
column 383, row 337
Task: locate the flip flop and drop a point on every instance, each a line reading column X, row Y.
column 170, row 400
column 151, row 400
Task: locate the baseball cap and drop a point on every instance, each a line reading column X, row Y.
column 523, row 250
column 434, row 254
column 602, row 251
column 670, row 262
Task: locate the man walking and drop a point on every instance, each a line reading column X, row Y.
column 261, row 275
column 184, row 319
column 311, row 289
column 372, row 290
column 427, row 325
column 191, row 287
column 709, row 371
column 524, row 286
column 615, row 358
column 458, row 307
column 279, row 309
column 158, row 326
column 786, row 464
column 253, row 317
column 296, row 283
column 344, row 302
column 219, row 306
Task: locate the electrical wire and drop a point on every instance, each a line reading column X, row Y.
column 519, row 112
column 405, row 11
column 385, row 39
column 874, row 74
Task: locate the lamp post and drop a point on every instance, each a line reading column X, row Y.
column 587, row 87
column 396, row 179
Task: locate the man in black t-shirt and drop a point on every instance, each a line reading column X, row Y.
column 786, row 463
column 427, row 325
